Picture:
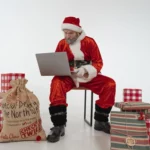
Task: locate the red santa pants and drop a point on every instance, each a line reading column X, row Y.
column 101, row 85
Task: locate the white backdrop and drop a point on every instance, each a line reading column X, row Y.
column 120, row 27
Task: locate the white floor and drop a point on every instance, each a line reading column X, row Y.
column 79, row 136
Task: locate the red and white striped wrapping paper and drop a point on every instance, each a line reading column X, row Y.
column 7, row 77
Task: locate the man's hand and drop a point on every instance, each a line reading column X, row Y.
column 86, row 75
column 81, row 72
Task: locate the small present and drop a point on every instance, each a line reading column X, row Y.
column 1, row 116
column 132, row 106
column 7, row 77
column 148, row 128
column 128, row 132
column 133, row 95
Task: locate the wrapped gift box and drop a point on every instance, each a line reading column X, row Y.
column 128, row 132
column 131, row 106
column 7, row 77
column 133, row 95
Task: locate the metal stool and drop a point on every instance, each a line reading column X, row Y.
column 85, row 100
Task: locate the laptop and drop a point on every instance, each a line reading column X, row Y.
column 53, row 64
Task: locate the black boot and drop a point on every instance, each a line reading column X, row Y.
column 59, row 119
column 102, row 126
column 55, row 134
column 101, row 119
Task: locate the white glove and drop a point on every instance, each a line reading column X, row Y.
column 80, row 72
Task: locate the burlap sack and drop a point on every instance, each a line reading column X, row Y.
column 2, row 95
column 1, row 115
column 20, row 108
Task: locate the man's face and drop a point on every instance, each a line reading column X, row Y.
column 70, row 36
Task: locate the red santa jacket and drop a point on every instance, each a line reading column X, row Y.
column 85, row 48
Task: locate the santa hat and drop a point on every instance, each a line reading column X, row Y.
column 71, row 23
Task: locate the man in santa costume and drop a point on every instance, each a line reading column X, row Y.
column 85, row 58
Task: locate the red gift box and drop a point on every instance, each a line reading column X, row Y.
column 148, row 128
column 6, row 78
column 132, row 95
column 1, row 116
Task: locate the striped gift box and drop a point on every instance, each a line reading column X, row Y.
column 148, row 128
column 7, row 77
column 127, row 132
column 133, row 95
column 132, row 105
column 1, row 116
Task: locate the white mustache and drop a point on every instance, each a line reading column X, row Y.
column 71, row 41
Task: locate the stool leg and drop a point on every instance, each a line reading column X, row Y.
column 91, row 114
column 91, row 108
column 85, row 105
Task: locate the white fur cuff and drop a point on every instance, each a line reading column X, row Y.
column 91, row 71
column 71, row 27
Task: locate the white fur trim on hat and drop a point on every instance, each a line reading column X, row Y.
column 71, row 27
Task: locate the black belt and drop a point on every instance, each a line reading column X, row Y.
column 78, row 63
